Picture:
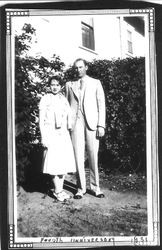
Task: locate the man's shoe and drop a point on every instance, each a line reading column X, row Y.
column 79, row 195
column 100, row 195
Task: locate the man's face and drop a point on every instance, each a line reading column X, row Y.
column 80, row 68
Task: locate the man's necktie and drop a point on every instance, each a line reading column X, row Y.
column 81, row 84
column 80, row 93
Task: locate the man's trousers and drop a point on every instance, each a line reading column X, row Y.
column 82, row 136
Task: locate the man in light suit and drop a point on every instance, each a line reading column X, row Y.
column 87, row 101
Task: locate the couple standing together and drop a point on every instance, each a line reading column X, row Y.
column 82, row 113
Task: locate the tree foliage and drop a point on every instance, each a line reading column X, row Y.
column 124, row 85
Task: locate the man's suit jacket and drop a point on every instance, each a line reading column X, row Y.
column 93, row 102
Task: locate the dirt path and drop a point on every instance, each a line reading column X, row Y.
column 118, row 214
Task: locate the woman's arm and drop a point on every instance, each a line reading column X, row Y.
column 42, row 112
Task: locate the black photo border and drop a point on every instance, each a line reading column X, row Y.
column 6, row 232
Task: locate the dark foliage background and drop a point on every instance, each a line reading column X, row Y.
column 124, row 145
column 124, row 84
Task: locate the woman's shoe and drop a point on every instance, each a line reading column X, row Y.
column 59, row 196
column 65, row 195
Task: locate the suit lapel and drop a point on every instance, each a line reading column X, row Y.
column 87, row 87
column 75, row 89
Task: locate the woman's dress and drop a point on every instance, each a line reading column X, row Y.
column 55, row 120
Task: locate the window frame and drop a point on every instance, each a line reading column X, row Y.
column 90, row 42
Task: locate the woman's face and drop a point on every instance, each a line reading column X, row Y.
column 55, row 86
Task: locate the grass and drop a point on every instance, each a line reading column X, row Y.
column 125, row 182
column 41, row 216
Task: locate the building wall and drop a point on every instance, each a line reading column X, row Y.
column 107, row 37
column 61, row 35
column 138, row 41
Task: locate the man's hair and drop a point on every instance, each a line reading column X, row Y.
column 81, row 59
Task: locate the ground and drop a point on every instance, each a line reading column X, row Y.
column 123, row 211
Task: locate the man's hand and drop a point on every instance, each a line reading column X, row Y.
column 100, row 132
column 44, row 143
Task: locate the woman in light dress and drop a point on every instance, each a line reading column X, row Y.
column 55, row 123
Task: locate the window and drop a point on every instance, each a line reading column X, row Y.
column 129, row 40
column 88, row 36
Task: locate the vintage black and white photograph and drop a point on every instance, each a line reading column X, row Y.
column 82, row 128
